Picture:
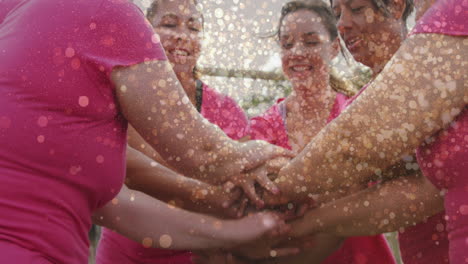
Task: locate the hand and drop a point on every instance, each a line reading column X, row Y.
column 262, row 175
column 293, row 186
column 254, row 226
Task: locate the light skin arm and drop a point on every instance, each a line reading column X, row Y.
column 156, row 224
column 153, row 101
column 147, row 176
column 138, row 143
column 386, row 207
column 420, row 91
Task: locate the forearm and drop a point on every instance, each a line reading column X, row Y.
column 136, row 141
column 386, row 207
column 147, row 176
column 155, row 224
column 390, row 119
column 158, row 108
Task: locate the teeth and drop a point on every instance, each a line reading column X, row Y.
column 180, row 52
column 300, row 68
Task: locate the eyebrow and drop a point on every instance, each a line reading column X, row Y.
column 311, row 33
column 195, row 19
column 348, row 2
column 171, row 15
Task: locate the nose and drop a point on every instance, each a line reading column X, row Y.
column 298, row 49
column 344, row 23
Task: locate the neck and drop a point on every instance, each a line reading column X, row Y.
column 312, row 103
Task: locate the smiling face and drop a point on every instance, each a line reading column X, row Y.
column 179, row 25
column 306, row 48
column 370, row 36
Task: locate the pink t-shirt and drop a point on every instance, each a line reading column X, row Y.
column 220, row 110
column 62, row 137
column 443, row 158
column 271, row 127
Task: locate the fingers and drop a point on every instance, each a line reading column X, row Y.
column 276, row 164
column 258, row 152
column 234, row 195
column 300, row 212
column 261, row 175
column 242, row 207
column 249, row 188
column 280, row 228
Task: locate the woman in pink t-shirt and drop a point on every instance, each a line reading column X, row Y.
column 180, row 32
column 419, row 242
column 72, row 74
column 309, row 41
column 418, row 99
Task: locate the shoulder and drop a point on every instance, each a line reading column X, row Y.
column 270, row 119
column 215, row 99
column 446, row 17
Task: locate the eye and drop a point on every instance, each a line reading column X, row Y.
column 169, row 25
column 312, row 43
column 194, row 25
column 357, row 9
column 287, row 45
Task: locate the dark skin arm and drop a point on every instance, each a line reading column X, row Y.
column 146, row 175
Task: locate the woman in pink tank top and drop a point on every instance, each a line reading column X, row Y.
column 309, row 40
column 415, row 101
column 180, row 34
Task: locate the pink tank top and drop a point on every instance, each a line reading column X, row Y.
column 62, row 137
column 443, row 158
column 271, row 127
column 220, row 110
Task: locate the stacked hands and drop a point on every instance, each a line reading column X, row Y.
column 255, row 191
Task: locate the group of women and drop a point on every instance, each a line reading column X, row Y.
column 391, row 158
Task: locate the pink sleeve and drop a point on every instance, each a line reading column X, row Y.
column 261, row 129
column 270, row 127
column 446, row 17
column 237, row 125
column 119, row 35
column 224, row 112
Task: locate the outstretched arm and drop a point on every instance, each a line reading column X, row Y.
column 153, row 101
column 156, row 224
column 386, row 207
column 420, row 91
column 147, row 176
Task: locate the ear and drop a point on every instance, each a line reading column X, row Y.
column 397, row 8
column 336, row 47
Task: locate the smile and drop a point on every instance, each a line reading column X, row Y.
column 301, row 68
